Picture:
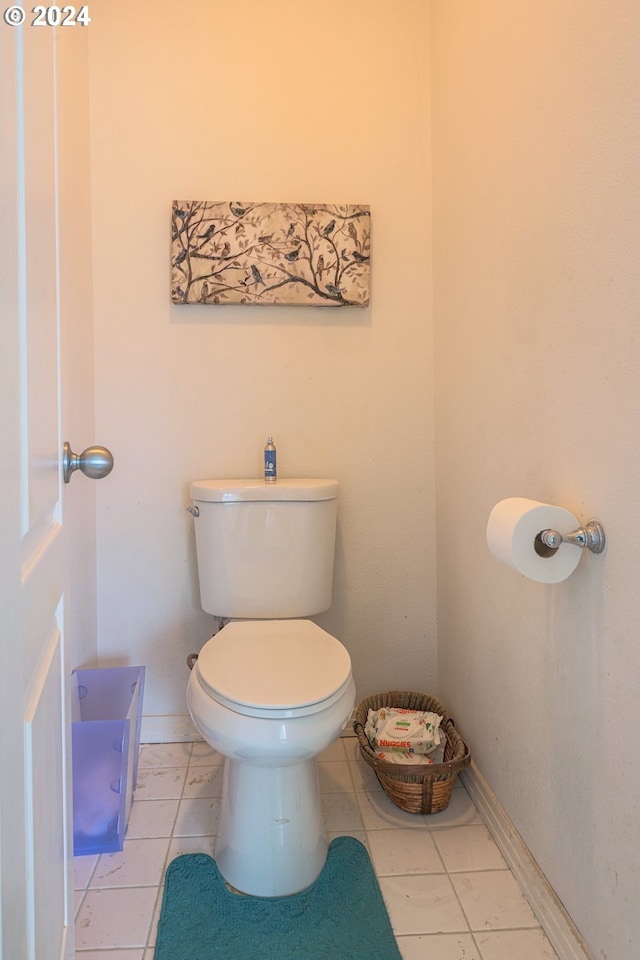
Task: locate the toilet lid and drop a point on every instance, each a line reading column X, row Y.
column 273, row 665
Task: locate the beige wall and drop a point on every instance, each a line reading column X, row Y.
column 536, row 253
column 262, row 101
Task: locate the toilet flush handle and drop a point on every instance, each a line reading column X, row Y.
column 193, row 511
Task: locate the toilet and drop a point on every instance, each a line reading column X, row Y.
column 271, row 690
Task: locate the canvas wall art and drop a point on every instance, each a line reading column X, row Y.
column 270, row 253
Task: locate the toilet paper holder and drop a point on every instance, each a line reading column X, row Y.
column 591, row 536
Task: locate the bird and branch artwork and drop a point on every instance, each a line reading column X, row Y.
column 277, row 253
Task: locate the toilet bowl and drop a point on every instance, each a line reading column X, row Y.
column 270, row 696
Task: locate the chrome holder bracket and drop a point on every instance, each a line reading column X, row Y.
column 591, row 536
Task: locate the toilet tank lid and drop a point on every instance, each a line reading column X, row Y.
column 229, row 491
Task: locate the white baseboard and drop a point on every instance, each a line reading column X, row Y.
column 552, row 916
column 168, row 729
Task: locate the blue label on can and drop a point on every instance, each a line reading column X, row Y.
column 270, row 463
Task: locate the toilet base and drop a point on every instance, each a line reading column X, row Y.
column 271, row 838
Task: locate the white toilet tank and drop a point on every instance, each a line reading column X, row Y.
column 265, row 550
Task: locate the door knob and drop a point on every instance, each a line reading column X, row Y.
column 94, row 462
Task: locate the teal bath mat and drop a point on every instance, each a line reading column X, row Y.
column 341, row 916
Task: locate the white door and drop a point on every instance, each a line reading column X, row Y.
column 35, row 841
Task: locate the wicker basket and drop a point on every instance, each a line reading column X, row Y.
column 417, row 789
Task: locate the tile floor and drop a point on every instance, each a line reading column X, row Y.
column 449, row 893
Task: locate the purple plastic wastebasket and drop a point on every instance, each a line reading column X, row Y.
column 106, row 714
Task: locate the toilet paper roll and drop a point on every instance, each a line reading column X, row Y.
column 512, row 529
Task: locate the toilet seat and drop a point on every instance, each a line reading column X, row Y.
column 274, row 668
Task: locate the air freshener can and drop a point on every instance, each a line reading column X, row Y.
column 270, row 471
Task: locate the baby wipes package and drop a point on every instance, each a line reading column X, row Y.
column 403, row 735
